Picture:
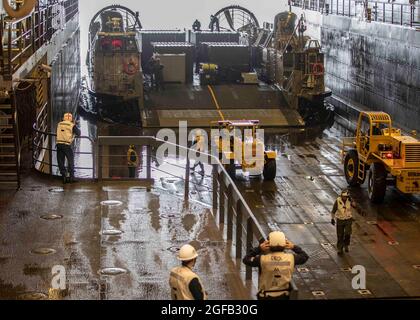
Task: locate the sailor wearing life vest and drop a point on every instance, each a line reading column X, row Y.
column 184, row 283
column 132, row 161
column 199, row 146
column 342, row 216
column 276, row 266
column 66, row 131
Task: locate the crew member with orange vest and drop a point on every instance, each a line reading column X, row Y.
column 66, row 131
column 276, row 266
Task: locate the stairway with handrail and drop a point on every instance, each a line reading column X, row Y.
column 9, row 145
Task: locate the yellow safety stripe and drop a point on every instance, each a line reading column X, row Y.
column 216, row 103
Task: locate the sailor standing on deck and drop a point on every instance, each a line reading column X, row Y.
column 342, row 216
column 199, row 146
column 66, row 131
column 158, row 75
column 132, row 161
column 196, row 25
column 151, row 70
column 184, row 283
column 276, row 266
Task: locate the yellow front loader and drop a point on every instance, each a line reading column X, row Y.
column 236, row 157
column 382, row 155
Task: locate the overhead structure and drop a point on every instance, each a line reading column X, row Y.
column 234, row 18
column 131, row 21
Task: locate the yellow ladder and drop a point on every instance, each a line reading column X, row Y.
column 361, row 170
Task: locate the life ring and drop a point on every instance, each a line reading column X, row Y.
column 131, row 67
column 24, row 10
column 318, row 69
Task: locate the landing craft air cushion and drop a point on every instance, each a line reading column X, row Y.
column 272, row 74
column 115, row 74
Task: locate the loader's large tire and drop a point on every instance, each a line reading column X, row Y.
column 377, row 182
column 351, row 168
column 270, row 170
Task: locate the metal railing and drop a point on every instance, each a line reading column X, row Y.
column 42, row 150
column 109, row 142
column 379, row 11
column 23, row 37
column 233, row 216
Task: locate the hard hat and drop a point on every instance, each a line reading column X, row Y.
column 68, row 117
column 131, row 146
column 199, row 133
column 187, row 253
column 277, row 239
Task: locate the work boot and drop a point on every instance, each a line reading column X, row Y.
column 64, row 179
column 73, row 180
column 346, row 249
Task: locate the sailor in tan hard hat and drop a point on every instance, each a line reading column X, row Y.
column 276, row 266
column 66, row 131
column 132, row 161
column 342, row 216
column 184, row 283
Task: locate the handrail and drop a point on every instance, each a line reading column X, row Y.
column 380, row 11
column 45, row 136
column 230, row 209
column 250, row 227
column 231, row 182
column 239, row 214
column 25, row 36
column 17, row 141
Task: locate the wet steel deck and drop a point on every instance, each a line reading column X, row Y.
column 153, row 222
column 299, row 202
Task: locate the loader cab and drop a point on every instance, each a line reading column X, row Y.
column 373, row 129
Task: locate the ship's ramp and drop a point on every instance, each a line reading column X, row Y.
column 202, row 105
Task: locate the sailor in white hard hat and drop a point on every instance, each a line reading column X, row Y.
column 66, row 131
column 276, row 266
column 342, row 216
column 184, row 283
